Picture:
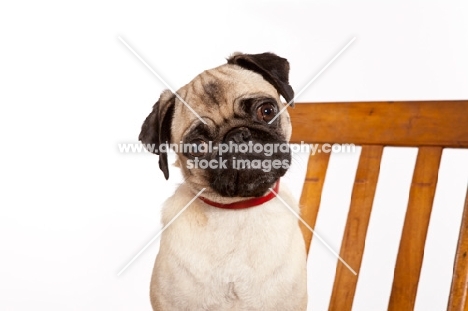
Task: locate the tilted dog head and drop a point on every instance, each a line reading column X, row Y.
column 237, row 102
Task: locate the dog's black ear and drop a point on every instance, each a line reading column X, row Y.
column 156, row 130
column 273, row 68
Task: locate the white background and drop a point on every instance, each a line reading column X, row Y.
column 74, row 211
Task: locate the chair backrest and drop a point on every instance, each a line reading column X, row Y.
column 428, row 125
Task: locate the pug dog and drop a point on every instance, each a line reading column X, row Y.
column 236, row 246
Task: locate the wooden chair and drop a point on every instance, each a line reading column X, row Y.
column 428, row 125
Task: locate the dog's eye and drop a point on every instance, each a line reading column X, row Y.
column 198, row 148
column 266, row 112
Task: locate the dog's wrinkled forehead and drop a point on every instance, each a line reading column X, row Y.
column 214, row 93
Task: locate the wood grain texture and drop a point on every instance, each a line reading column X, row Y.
column 312, row 192
column 458, row 300
column 405, row 123
column 352, row 246
column 411, row 250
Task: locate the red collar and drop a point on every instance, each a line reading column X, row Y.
column 246, row 203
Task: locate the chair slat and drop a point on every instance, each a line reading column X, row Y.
column 352, row 247
column 441, row 123
column 411, row 250
column 458, row 300
column 312, row 192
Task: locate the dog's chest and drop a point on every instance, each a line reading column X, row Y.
column 233, row 243
column 235, row 259
column 237, row 239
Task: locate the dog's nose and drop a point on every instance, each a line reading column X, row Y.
column 238, row 135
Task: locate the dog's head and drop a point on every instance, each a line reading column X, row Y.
column 236, row 151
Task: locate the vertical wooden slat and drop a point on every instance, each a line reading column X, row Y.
column 458, row 300
column 411, row 250
column 352, row 246
column 312, row 191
